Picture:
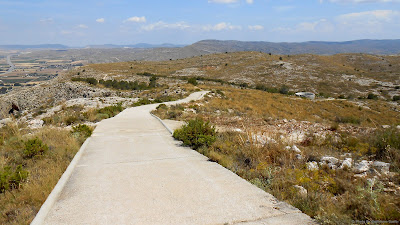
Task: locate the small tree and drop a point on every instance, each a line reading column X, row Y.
column 153, row 82
column 193, row 81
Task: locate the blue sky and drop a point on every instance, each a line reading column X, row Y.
column 83, row 22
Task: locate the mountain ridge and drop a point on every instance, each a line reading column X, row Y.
column 369, row 46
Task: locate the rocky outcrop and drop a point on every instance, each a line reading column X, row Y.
column 48, row 93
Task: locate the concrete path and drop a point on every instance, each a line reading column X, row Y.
column 131, row 171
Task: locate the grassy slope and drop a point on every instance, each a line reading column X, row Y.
column 299, row 72
column 334, row 196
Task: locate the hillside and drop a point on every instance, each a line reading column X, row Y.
column 323, row 156
column 384, row 47
column 343, row 75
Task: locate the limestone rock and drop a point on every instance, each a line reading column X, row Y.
column 329, row 160
column 312, row 165
column 35, row 124
column 295, row 149
column 348, row 162
column 362, row 166
column 382, row 167
column 301, row 190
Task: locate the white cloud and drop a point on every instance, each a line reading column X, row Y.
column 369, row 16
column 136, row 19
column 47, row 20
column 100, row 20
column 321, row 26
column 369, row 23
column 249, row 1
column 82, row 26
column 221, row 26
column 163, row 25
column 256, row 27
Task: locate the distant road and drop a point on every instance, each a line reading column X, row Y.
column 12, row 66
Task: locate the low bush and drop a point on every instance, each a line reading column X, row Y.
column 82, row 132
column 197, row 133
column 372, row 96
column 12, row 179
column 348, row 119
column 193, row 81
column 34, row 147
column 111, row 111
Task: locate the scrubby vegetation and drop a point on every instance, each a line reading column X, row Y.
column 31, row 162
column 333, row 194
column 75, row 115
column 120, row 85
column 196, row 134
column 81, row 132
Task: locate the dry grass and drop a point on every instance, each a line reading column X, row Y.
column 342, row 74
column 334, row 196
column 19, row 206
column 257, row 107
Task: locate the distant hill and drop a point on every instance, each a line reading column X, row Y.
column 43, row 46
column 385, row 47
column 140, row 45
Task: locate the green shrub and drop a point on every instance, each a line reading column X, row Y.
column 372, row 96
column 196, row 134
column 348, row 119
column 386, row 139
column 34, row 147
column 162, row 106
column 396, row 98
column 111, row 111
column 10, row 179
column 142, row 101
column 82, row 132
column 193, row 81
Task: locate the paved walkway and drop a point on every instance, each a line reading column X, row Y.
column 131, row 171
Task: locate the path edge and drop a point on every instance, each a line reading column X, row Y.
column 55, row 193
column 162, row 122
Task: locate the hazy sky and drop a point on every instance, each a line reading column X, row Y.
column 78, row 23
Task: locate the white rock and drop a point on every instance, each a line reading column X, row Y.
column 362, row 166
column 285, row 120
column 301, row 190
column 299, row 157
column 5, row 121
column 237, row 130
column 287, row 148
column 312, row 165
column 398, row 127
column 35, row 124
column 348, row 162
column 361, row 175
column 329, row 160
column 295, row 149
column 385, row 126
column 382, row 167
